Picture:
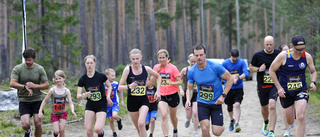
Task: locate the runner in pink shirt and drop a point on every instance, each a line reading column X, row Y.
column 171, row 79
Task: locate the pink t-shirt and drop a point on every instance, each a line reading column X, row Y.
column 170, row 72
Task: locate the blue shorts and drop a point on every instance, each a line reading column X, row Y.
column 207, row 111
column 151, row 114
column 112, row 109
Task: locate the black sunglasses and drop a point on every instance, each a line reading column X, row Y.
column 300, row 49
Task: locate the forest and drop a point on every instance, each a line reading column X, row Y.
column 63, row 32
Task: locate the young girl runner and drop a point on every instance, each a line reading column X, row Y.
column 96, row 106
column 59, row 114
column 137, row 102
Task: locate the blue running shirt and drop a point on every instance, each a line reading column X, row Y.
column 208, row 81
column 238, row 69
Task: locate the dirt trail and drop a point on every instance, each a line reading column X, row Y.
column 250, row 121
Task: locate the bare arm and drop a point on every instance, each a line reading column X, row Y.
column 122, row 86
column 44, row 102
column 313, row 72
column 14, row 84
column 71, row 103
column 275, row 65
column 180, row 86
column 228, row 86
column 79, row 91
column 188, row 95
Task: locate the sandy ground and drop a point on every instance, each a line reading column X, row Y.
column 250, row 122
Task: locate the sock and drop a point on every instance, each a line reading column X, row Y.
column 232, row 120
column 272, row 131
column 101, row 134
column 55, row 135
column 266, row 122
column 175, row 131
column 28, row 131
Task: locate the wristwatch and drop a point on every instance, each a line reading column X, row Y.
column 314, row 82
column 258, row 69
column 224, row 95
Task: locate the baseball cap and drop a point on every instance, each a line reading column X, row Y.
column 234, row 53
column 298, row 40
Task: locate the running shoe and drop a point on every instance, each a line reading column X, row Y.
column 147, row 127
column 287, row 133
column 28, row 134
column 150, row 135
column 238, row 129
column 187, row 123
column 175, row 134
column 119, row 124
column 231, row 125
column 114, row 134
column 265, row 129
column 196, row 134
column 271, row 134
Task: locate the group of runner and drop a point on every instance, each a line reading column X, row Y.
column 278, row 74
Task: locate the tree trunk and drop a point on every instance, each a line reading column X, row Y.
column 265, row 19
column 4, row 50
column 152, row 31
column 185, row 30
column 137, row 20
column 99, row 37
column 122, row 14
column 147, row 53
column 173, row 30
column 83, row 34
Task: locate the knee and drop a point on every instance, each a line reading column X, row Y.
column 152, row 120
column 272, row 106
column 164, row 118
column 141, row 124
column 237, row 105
column 111, row 120
column 301, row 117
column 26, row 125
column 230, row 108
column 61, row 130
column 89, row 131
column 114, row 117
column 218, row 132
column 205, row 130
column 98, row 130
column 37, row 125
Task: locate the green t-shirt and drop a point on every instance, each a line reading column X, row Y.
column 23, row 74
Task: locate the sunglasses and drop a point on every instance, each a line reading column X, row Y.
column 300, row 49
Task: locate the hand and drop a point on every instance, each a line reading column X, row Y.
column 220, row 100
column 188, row 105
column 110, row 103
column 123, row 106
column 30, row 91
column 262, row 67
column 133, row 85
column 31, row 85
column 74, row 114
column 168, row 82
column 281, row 93
column 157, row 96
column 182, row 93
column 235, row 79
column 87, row 94
column 40, row 115
column 313, row 86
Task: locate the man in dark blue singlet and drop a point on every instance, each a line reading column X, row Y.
column 292, row 86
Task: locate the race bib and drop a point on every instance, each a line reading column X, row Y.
column 294, row 83
column 95, row 96
column 112, row 92
column 164, row 78
column 234, row 72
column 95, row 93
column 266, row 78
column 151, row 96
column 140, row 90
column 206, row 92
column 59, row 104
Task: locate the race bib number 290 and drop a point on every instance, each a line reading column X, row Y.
column 206, row 92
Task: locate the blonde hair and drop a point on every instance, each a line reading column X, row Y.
column 135, row 51
column 163, row 51
column 59, row 73
column 90, row 56
column 109, row 70
column 189, row 57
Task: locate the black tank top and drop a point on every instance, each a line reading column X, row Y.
column 141, row 79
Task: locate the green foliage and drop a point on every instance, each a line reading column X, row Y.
column 5, row 88
column 163, row 19
column 48, row 34
column 119, row 70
